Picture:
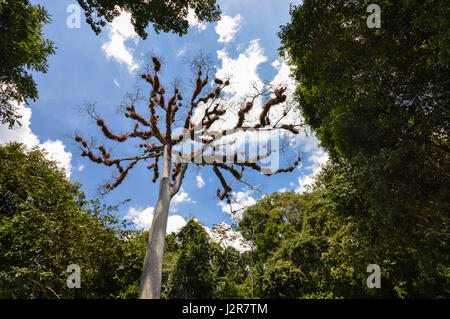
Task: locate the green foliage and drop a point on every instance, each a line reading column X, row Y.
column 46, row 224
column 323, row 246
column 411, row 249
column 129, row 268
column 192, row 274
column 314, row 245
column 163, row 15
column 378, row 100
column 289, row 267
column 196, row 266
column 231, row 266
column 364, row 90
column 22, row 49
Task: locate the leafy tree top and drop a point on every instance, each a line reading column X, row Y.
column 166, row 16
column 366, row 89
column 23, row 48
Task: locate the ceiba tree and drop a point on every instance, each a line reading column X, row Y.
column 160, row 143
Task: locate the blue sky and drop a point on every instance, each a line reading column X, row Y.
column 103, row 68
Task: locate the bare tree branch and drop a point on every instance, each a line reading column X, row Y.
column 199, row 132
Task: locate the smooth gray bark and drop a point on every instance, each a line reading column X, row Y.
column 150, row 287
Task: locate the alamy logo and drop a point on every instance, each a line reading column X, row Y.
column 74, row 278
column 74, row 19
column 374, row 19
column 374, row 280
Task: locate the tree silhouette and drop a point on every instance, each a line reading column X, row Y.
column 165, row 146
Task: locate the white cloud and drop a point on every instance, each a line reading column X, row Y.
column 116, row 83
column 200, row 181
column 55, row 148
column 232, row 238
column 243, row 74
column 56, row 151
column 22, row 133
column 181, row 52
column 227, row 27
column 244, row 83
column 175, row 223
column 243, row 69
column 318, row 158
column 283, row 79
column 143, row 218
column 305, row 140
column 80, row 168
column 241, row 201
column 194, row 22
column 179, row 198
column 120, row 31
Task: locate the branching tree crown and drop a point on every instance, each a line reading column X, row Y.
column 159, row 141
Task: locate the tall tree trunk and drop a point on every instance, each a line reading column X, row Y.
column 150, row 287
